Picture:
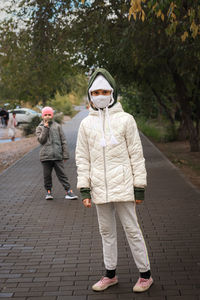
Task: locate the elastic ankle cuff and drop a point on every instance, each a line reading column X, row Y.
column 110, row 273
column 145, row 275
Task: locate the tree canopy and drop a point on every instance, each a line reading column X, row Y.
column 35, row 50
column 180, row 17
column 145, row 53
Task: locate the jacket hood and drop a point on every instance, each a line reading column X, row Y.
column 108, row 77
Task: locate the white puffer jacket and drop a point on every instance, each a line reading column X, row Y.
column 110, row 172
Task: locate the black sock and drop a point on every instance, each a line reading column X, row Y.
column 110, row 273
column 145, row 275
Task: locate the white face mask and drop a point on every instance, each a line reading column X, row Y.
column 101, row 101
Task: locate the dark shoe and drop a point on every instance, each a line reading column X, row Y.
column 70, row 195
column 49, row 195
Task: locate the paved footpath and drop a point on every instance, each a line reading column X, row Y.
column 52, row 249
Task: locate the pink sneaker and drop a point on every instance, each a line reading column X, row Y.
column 143, row 285
column 104, row 283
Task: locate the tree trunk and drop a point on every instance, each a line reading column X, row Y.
column 44, row 100
column 182, row 133
column 193, row 136
column 186, row 112
column 166, row 109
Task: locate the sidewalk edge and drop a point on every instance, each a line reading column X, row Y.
column 186, row 179
column 12, row 165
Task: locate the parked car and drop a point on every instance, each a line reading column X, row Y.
column 24, row 115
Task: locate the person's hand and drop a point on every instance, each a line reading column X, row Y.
column 138, row 201
column 87, row 202
column 46, row 124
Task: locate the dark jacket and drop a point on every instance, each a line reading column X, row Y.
column 52, row 139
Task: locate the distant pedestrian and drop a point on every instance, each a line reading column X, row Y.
column 12, row 126
column 111, row 173
column 53, row 152
column 4, row 114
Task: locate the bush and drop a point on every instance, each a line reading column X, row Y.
column 30, row 127
column 158, row 133
column 137, row 104
column 62, row 104
column 58, row 117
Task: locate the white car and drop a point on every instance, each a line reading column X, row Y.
column 24, row 115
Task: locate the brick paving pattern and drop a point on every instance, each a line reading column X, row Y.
column 52, row 249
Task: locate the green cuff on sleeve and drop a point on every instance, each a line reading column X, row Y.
column 139, row 193
column 85, row 193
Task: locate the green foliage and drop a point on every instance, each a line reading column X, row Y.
column 62, row 104
column 137, row 103
column 58, row 117
column 75, row 87
column 156, row 131
column 34, row 57
column 179, row 17
column 164, row 70
column 30, row 127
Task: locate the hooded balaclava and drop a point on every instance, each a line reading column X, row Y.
column 100, row 83
column 101, row 79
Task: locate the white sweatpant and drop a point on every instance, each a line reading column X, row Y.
column 107, row 228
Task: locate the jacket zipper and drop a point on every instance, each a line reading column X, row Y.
column 104, row 159
column 52, row 143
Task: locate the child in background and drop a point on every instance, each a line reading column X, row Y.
column 53, row 152
column 111, row 173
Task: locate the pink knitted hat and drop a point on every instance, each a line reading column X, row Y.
column 47, row 110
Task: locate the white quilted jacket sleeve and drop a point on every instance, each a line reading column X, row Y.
column 82, row 159
column 136, row 153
